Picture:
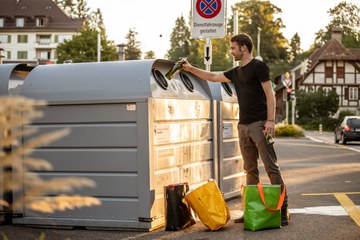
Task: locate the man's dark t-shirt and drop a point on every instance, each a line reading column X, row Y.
column 247, row 81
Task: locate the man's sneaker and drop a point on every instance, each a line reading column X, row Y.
column 239, row 220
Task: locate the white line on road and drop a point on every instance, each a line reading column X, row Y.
column 321, row 210
column 321, row 141
column 314, row 139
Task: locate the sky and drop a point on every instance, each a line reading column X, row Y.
column 154, row 20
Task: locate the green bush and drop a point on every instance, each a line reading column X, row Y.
column 344, row 113
column 328, row 124
column 282, row 130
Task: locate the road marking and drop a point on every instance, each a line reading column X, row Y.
column 349, row 206
column 321, row 210
column 331, row 143
column 345, row 201
column 315, row 140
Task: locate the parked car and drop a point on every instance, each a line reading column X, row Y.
column 348, row 130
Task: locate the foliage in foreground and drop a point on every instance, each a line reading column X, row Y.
column 15, row 113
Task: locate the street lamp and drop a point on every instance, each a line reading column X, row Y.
column 121, row 51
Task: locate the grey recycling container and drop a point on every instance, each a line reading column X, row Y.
column 230, row 173
column 11, row 78
column 132, row 131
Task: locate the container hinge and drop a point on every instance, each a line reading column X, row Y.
column 142, row 219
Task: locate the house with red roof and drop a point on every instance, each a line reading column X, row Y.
column 31, row 30
column 332, row 67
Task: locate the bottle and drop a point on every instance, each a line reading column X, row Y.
column 177, row 67
column 270, row 140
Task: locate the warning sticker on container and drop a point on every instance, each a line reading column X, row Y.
column 227, row 130
column 131, row 107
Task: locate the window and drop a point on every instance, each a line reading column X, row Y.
column 340, row 72
column 40, row 22
column 44, row 39
column 62, row 38
column 8, row 55
column 328, row 72
column 3, row 39
column 22, row 38
column 20, row 22
column 353, row 93
column 2, row 22
column 22, row 54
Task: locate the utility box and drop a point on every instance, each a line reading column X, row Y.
column 230, row 164
column 132, row 132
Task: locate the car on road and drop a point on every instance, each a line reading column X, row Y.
column 347, row 130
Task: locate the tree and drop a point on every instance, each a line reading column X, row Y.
column 179, row 40
column 133, row 51
column 150, row 55
column 295, row 48
column 347, row 17
column 316, row 105
column 74, row 8
column 83, row 47
column 273, row 45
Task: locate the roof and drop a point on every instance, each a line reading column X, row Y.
column 30, row 9
column 334, row 50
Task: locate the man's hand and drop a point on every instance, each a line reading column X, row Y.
column 186, row 65
column 269, row 128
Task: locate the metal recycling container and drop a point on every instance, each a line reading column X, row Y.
column 230, row 164
column 11, row 78
column 132, row 132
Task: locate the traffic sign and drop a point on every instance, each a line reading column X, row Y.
column 208, row 53
column 287, row 81
column 208, row 8
column 208, row 19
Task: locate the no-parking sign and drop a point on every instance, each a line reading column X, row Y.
column 208, row 19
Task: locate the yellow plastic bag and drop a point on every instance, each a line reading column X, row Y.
column 209, row 204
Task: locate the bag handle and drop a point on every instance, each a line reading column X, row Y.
column 281, row 198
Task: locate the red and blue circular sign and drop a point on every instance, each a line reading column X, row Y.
column 208, row 8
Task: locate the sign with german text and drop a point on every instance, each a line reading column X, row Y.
column 208, row 19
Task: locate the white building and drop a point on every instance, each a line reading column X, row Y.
column 31, row 30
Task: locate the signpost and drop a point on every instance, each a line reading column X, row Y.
column 208, row 21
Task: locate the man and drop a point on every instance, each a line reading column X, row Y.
column 257, row 111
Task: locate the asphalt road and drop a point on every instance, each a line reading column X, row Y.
column 323, row 182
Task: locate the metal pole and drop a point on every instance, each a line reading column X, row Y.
column 293, row 104
column 287, row 113
column 98, row 47
column 258, row 41
column 236, row 31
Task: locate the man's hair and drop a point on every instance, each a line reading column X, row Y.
column 243, row 39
